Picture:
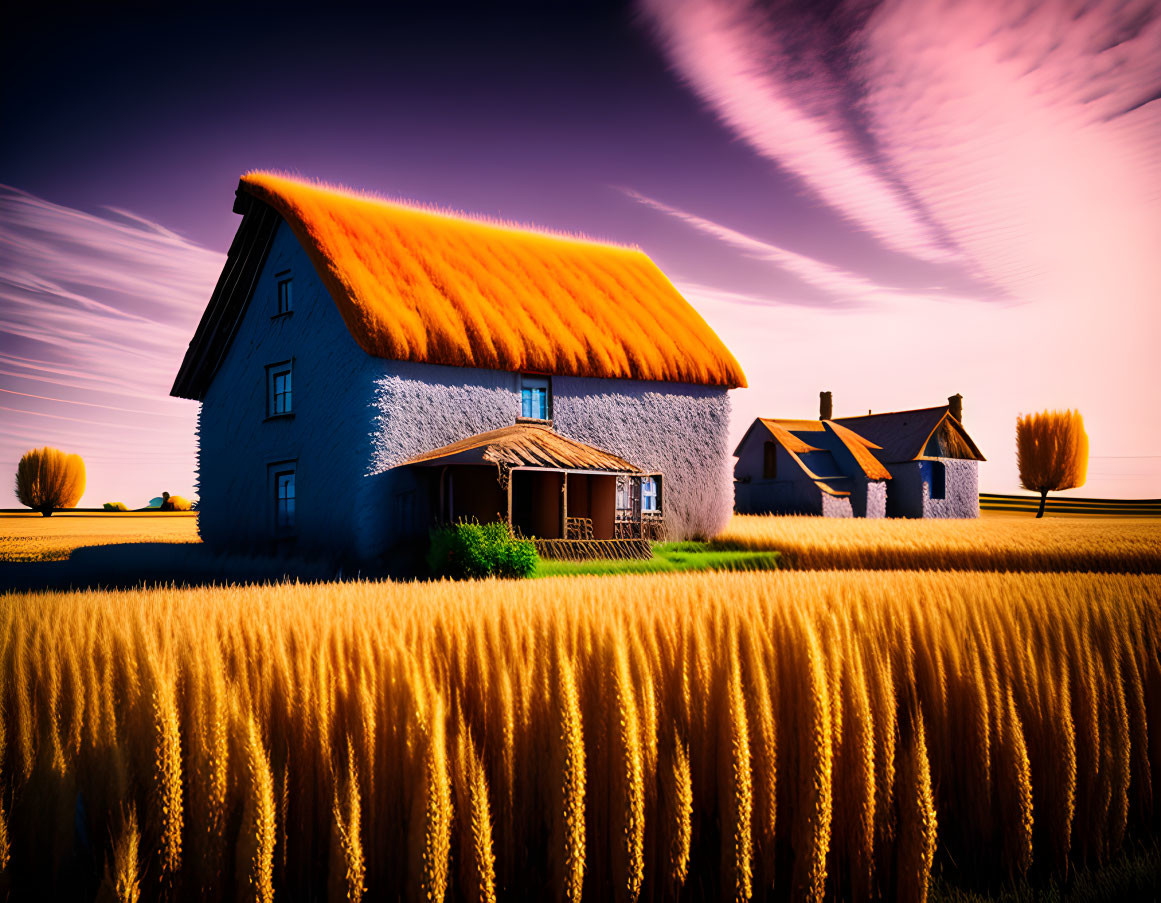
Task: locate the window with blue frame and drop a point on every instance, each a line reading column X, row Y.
column 284, row 500
column 535, row 397
column 650, row 499
column 285, row 296
column 279, row 397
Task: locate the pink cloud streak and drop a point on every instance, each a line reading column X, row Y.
column 101, row 308
column 1023, row 136
column 773, row 89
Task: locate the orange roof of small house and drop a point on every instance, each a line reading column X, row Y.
column 420, row 285
column 785, row 432
column 780, row 430
column 860, row 447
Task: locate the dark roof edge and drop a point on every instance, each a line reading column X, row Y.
column 231, row 296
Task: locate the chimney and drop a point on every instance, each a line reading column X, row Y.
column 825, row 409
column 955, row 406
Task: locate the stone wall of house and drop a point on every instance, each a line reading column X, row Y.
column 677, row 429
column 868, row 498
column 961, row 491
column 836, row 505
column 909, row 490
column 356, row 417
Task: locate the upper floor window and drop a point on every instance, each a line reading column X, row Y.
column 279, row 397
column 285, row 294
column 536, row 397
column 650, row 495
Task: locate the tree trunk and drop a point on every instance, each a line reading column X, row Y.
column 47, row 512
column 1043, row 499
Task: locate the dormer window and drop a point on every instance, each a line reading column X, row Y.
column 279, row 397
column 285, row 295
column 535, row 397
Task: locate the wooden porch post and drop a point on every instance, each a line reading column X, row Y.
column 564, row 505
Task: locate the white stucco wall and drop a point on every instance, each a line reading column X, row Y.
column 909, row 491
column 357, row 416
column 677, row 429
column 868, row 497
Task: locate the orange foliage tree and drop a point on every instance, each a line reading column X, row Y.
column 47, row 478
column 1052, row 452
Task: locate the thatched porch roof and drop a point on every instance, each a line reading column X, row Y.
column 526, row 445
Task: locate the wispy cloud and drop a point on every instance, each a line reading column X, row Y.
column 765, row 72
column 1020, row 137
column 1017, row 140
column 99, row 307
column 844, row 288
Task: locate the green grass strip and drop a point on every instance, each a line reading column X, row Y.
column 668, row 557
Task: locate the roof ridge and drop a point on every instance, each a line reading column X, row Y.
column 937, row 407
column 248, row 182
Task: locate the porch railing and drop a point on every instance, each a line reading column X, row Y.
column 590, row 549
column 647, row 525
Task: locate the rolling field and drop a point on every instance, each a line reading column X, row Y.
column 31, row 537
column 997, row 541
column 818, row 734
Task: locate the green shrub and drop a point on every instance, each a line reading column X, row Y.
column 174, row 502
column 116, row 506
column 472, row 550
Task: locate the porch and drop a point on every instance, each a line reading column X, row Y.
column 573, row 500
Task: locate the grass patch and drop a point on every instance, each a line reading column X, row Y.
column 668, row 558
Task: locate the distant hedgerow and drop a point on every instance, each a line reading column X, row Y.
column 115, row 506
column 468, row 549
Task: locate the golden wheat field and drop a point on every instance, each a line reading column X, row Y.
column 810, row 734
column 996, row 541
column 1000, row 541
column 32, row 537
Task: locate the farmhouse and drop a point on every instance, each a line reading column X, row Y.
column 919, row 463
column 367, row 369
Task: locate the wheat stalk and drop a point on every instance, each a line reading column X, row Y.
column 568, row 783
column 735, row 790
column 917, row 822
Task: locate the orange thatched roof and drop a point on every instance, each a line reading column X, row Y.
column 787, row 434
column 780, row 430
column 418, row 285
column 526, row 445
column 860, row 449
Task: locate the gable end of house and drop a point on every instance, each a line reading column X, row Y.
column 223, row 315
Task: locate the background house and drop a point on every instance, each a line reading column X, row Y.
column 349, row 339
column 933, row 462
column 919, row 463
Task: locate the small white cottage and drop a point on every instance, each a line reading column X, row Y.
column 919, row 463
column 367, row 369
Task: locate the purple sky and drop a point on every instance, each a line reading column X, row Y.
column 895, row 202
